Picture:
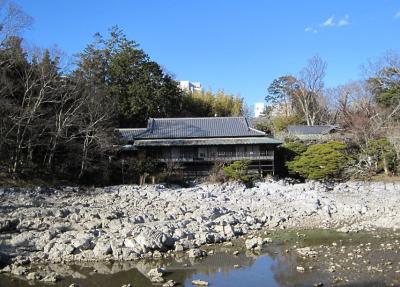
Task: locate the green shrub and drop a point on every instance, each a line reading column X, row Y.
column 321, row 161
column 285, row 153
column 238, row 170
column 293, row 149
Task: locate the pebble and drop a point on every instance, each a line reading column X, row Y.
column 200, row 283
column 300, row 268
column 169, row 283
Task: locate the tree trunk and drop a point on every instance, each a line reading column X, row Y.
column 386, row 166
column 141, row 179
column 144, row 177
column 84, row 156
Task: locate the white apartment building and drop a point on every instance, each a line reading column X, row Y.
column 259, row 109
column 190, row 86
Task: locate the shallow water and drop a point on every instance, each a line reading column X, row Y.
column 359, row 260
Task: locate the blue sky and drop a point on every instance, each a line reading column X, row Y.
column 238, row 46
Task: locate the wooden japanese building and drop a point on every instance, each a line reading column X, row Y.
column 196, row 143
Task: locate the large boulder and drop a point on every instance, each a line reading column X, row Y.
column 152, row 239
column 102, row 248
column 24, row 239
column 196, row 253
column 156, row 272
column 58, row 250
column 252, row 243
column 51, row 277
column 156, row 275
column 83, row 241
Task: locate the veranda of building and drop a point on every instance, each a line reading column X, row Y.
column 197, row 143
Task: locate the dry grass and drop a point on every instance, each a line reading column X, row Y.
column 385, row 178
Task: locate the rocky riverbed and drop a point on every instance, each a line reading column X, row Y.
column 123, row 223
column 289, row 258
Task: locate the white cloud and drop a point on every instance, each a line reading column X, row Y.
column 329, row 22
column 344, row 21
column 310, row 30
column 397, row 15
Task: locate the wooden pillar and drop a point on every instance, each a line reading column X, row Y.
column 273, row 162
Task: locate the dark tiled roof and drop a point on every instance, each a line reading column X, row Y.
column 310, row 130
column 131, row 133
column 172, row 128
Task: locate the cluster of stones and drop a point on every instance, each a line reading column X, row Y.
column 133, row 222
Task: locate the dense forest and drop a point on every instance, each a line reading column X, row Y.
column 58, row 124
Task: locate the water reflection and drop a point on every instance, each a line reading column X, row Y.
column 276, row 266
column 258, row 273
column 218, row 269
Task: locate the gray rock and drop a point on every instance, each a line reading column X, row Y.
column 82, row 243
column 102, row 248
column 151, row 239
column 300, row 269
column 58, row 250
column 179, row 247
column 200, row 283
column 52, row 277
column 169, row 283
column 19, row 270
column 6, row 269
column 253, row 242
column 156, row 272
column 23, row 239
column 34, row 276
column 157, row 279
column 307, row 252
column 196, row 253
column 128, row 222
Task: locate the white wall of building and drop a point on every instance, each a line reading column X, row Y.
column 258, row 109
column 190, row 86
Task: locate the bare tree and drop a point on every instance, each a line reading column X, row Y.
column 383, row 82
column 67, row 105
column 94, row 125
column 12, row 20
column 310, row 90
column 38, row 89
